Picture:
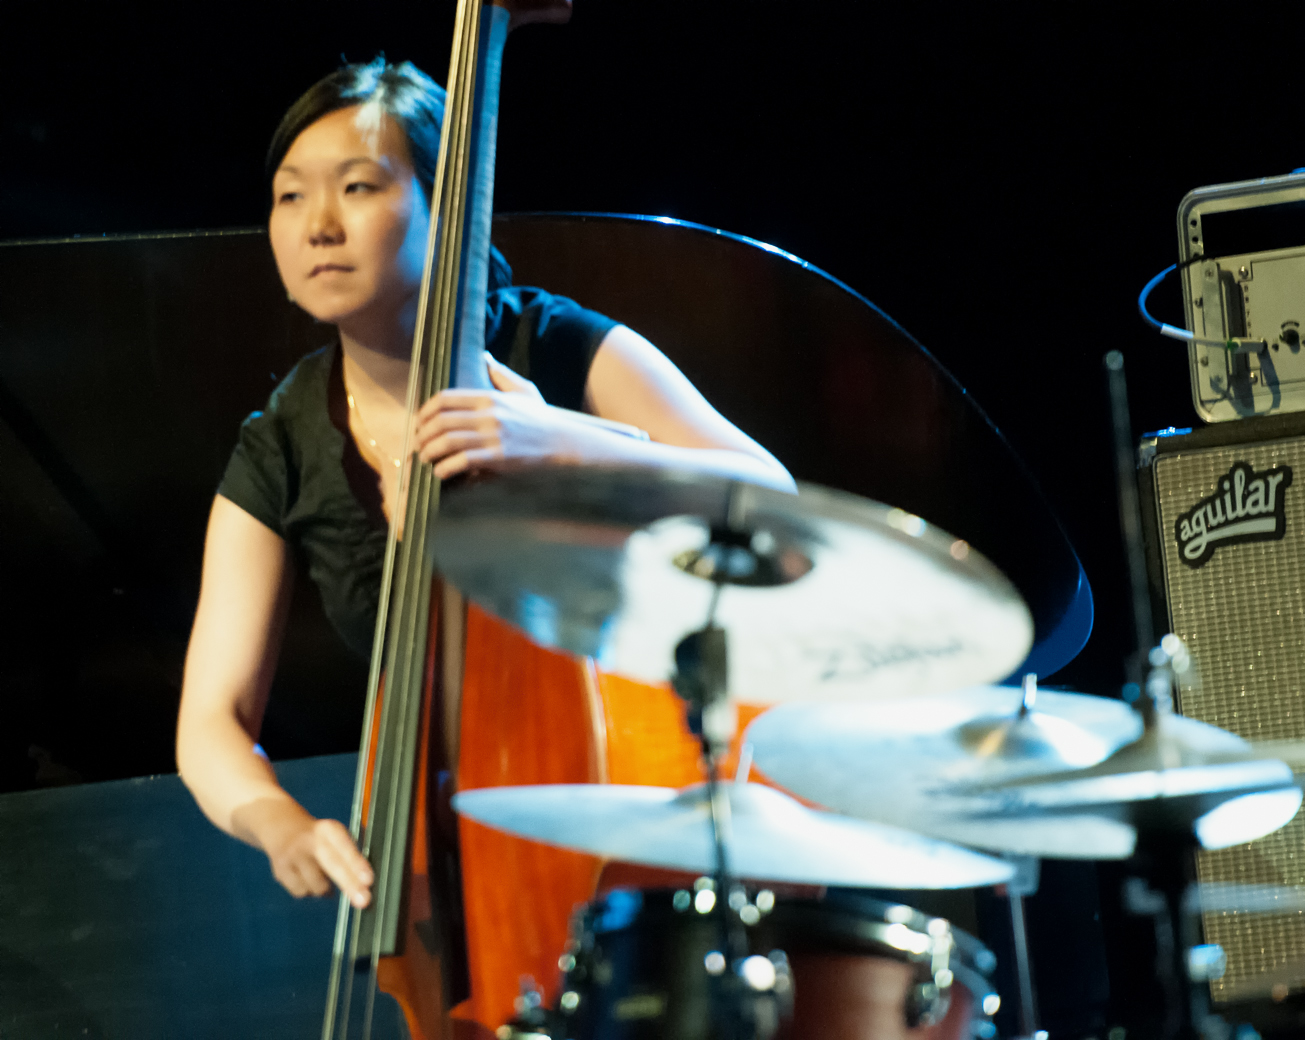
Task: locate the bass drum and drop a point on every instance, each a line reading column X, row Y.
column 860, row 968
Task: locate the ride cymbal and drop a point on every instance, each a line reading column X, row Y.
column 822, row 594
column 772, row 837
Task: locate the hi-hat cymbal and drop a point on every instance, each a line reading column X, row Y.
column 914, row 763
column 1227, row 897
column 1181, row 775
column 772, row 837
column 1291, row 752
column 823, row 595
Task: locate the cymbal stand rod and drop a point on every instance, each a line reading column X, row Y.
column 744, row 768
column 1163, row 871
column 1024, row 883
column 746, row 1002
column 1130, row 516
column 736, row 942
column 700, row 679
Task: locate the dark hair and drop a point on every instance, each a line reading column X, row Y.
column 408, row 96
column 405, row 93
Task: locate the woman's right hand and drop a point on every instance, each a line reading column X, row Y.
column 307, row 855
column 243, row 601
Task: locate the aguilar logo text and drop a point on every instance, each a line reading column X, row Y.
column 1245, row 507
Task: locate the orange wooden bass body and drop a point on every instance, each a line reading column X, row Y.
column 529, row 715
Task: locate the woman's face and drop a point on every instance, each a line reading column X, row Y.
column 349, row 220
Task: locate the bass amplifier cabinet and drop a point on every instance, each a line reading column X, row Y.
column 1225, row 526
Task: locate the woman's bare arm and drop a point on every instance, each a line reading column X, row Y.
column 630, row 381
column 245, row 593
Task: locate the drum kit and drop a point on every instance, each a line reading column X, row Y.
column 884, row 763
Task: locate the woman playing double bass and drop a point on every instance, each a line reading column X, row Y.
column 314, row 475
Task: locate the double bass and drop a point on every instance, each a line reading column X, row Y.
column 461, row 914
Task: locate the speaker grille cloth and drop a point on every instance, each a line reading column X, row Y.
column 1242, row 615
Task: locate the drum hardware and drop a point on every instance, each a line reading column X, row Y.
column 609, row 563
column 1206, row 962
column 532, row 1021
column 873, row 969
column 750, row 992
column 1180, row 782
column 1023, row 883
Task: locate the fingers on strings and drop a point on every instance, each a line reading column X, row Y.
column 341, row 861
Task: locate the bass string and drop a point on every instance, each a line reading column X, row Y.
column 446, row 232
column 408, row 640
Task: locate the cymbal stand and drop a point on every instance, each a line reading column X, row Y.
column 1024, row 883
column 752, row 991
column 1166, row 857
column 1163, row 884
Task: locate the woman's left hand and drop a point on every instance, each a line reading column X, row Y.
column 461, row 430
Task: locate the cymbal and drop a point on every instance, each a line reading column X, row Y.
column 1224, row 897
column 1180, row 775
column 823, row 595
column 913, row 763
column 1290, row 751
column 772, row 836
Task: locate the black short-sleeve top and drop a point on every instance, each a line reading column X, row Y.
column 296, row 469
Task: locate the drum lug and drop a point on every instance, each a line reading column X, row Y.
column 532, row 1021
column 927, row 1004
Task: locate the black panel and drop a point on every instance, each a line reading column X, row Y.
column 128, row 916
column 839, row 392
column 126, row 366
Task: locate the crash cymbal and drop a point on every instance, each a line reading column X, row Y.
column 823, row 595
column 772, row 837
column 913, row 763
column 1180, row 775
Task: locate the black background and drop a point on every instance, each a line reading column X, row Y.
column 999, row 178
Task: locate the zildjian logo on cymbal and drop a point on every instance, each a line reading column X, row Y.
column 858, row 658
column 1245, row 507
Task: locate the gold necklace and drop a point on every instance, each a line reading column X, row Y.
column 362, row 428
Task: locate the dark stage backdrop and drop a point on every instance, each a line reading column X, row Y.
column 1000, row 178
